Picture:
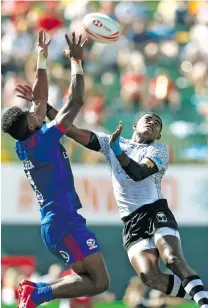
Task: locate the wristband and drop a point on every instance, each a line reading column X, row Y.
column 41, row 62
column 115, row 146
column 49, row 107
column 76, row 67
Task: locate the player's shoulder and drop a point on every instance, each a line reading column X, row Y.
column 159, row 151
column 158, row 146
column 124, row 141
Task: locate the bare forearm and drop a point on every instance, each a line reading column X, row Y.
column 77, row 87
column 70, row 110
column 40, row 86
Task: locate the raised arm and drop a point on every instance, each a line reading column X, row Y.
column 40, row 86
column 69, row 111
column 39, row 94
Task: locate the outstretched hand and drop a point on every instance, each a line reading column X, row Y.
column 75, row 48
column 42, row 43
column 25, row 92
column 117, row 133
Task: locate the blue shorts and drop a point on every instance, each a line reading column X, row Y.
column 69, row 240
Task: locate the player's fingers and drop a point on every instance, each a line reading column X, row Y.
column 21, row 87
column 47, row 44
column 79, row 40
column 28, row 87
column 73, row 37
column 117, row 134
column 84, row 43
column 68, row 40
column 40, row 37
column 120, row 128
column 22, row 91
column 114, row 137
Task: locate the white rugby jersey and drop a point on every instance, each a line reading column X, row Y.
column 131, row 195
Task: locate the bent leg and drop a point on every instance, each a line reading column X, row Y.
column 144, row 259
column 172, row 255
column 91, row 278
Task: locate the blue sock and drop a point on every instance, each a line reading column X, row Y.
column 42, row 295
column 40, row 284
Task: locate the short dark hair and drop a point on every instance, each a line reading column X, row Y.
column 151, row 113
column 14, row 122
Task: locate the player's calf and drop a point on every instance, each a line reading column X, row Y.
column 146, row 265
column 172, row 255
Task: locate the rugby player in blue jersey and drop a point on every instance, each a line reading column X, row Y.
column 48, row 170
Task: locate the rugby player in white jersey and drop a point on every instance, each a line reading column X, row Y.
column 150, row 229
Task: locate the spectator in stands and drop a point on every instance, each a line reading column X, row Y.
column 135, row 293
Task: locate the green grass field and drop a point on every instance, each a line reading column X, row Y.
column 117, row 304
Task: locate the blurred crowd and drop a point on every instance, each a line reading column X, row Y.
column 160, row 64
column 136, row 295
column 12, row 275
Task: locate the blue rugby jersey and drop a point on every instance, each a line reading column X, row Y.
column 48, row 170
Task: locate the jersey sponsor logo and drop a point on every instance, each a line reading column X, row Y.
column 161, row 217
column 39, row 196
column 65, row 255
column 91, row 243
column 27, row 164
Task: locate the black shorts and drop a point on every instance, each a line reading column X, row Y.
column 142, row 223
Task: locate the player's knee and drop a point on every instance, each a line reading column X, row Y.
column 102, row 285
column 172, row 261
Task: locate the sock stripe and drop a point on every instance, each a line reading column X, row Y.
column 203, row 302
column 196, row 289
column 187, row 296
column 181, row 292
column 191, row 284
column 200, row 295
column 176, row 287
column 171, row 285
column 190, row 278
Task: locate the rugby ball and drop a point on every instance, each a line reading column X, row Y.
column 101, row 28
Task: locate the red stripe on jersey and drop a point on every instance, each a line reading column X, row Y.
column 73, row 251
column 61, row 128
column 77, row 246
column 68, row 245
column 31, row 144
